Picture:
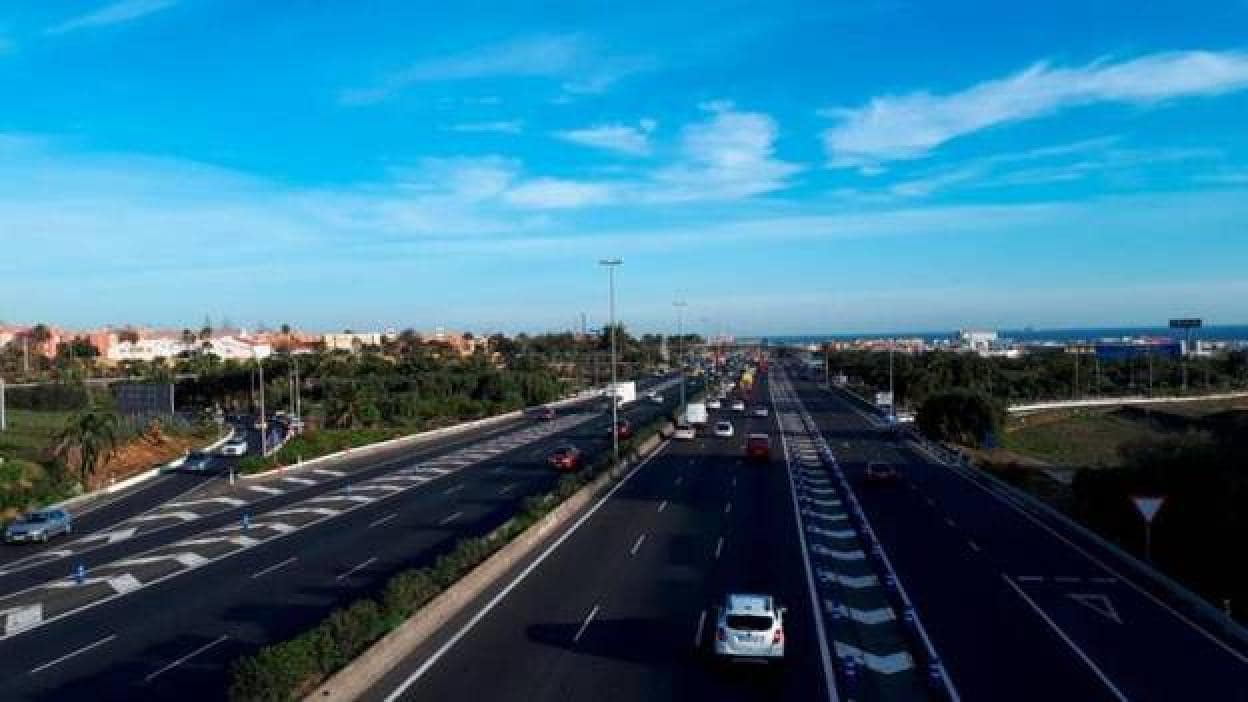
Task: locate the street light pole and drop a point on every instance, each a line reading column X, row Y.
column 611, row 264
column 264, row 438
column 680, row 306
column 892, row 400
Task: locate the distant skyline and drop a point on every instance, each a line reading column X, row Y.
column 800, row 168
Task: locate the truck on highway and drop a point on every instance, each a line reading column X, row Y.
column 695, row 414
column 624, row 392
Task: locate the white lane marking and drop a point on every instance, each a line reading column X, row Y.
column 974, row 546
column 719, row 547
column 734, row 481
column 1009, row 502
column 1030, row 578
column 450, row 518
column 357, row 569
column 663, row 505
column 727, row 508
column 585, row 624
column 697, row 635
column 453, row 489
column 111, row 537
column 265, row 571
column 322, row 511
column 187, row 559
column 187, row 657
column 124, row 583
column 327, row 471
column 228, row 501
column 71, row 654
column 437, row 655
column 265, row 489
column 184, row 516
column 299, row 481
column 640, row 540
column 1073, row 646
column 22, row 618
column 952, row 524
column 382, row 520
column 506, row 488
column 1067, row 579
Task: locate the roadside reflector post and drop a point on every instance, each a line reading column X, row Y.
column 80, row 574
column 246, row 521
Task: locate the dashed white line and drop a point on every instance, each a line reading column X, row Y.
column 382, row 520
column 71, row 654
column 585, row 624
column 728, row 508
column 506, row 488
column 1030, row 579
column 450, row 518
column 697, row 635
column 357, row 569
column 270, row 569
column 974, row 546
column 663, row 505
column 719, row 547
column 186, row 658
column 640, row 540
column 952, row 524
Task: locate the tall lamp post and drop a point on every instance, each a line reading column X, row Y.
column 611, row 264
column 264, row 425
column 680, row 306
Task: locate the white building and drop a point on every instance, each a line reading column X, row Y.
column 226, row 348
column 977, row 340
column 351, row 341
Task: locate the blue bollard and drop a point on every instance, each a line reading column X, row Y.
column 80, row 574
column 348, row 489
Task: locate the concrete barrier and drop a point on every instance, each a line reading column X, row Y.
column 367, row 670
column 139, row 477
column 1115, row 401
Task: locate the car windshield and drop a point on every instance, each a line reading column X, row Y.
column 723, row 426
column 749, row 622
column 36, row 518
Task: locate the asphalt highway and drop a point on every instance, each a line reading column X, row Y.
column 174, row 639
column 623, row 608
column 1018, row 606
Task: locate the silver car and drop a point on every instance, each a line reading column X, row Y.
column 39, row 526
column 235, row 447
column 749, row 627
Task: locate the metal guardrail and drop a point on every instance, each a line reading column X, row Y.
column 1180, row 595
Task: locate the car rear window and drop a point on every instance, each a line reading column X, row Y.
column 749, row 622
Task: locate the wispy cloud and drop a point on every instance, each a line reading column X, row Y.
column 557, row 193
column 571, row 58
column 909, row 126
column 727, row 156
column 620, row 138
column 514, row 126
column 114, row 13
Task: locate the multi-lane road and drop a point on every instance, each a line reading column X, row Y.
column 1012, row 603
column 185, row 589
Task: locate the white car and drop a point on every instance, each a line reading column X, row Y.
column 713, row 404
column 655, row 398
column 684, row 432
column 738, row 406
column 723, row 429
column 749, row 627
column 235, row 447
column 759, row 411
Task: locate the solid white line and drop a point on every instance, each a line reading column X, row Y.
column 1058, row 630
column 186, row 658
column 356, row 569
column 275, row 566
column 1106, row 567
column 71, row 654
column 450, row 518
column 640, row 540
column 727, row 508
column 952, row 524
column 697, row 636
column 974, row 546
column 506, row 488
column 719, row 547
column 663, row 505
column 382, row 520
column 1030, row 578
column 502, row 594
column 585, row 624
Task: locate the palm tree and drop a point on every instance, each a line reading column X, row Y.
column 92, row 436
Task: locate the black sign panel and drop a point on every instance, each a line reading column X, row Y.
column 143, row 399
column 1185, row 324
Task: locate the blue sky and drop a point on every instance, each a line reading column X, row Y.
column 784, row 167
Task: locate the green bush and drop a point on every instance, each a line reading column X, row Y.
column 962, row 417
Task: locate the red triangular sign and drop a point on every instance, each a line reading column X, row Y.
column 1148, row 506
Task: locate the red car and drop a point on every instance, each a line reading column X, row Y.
column 623, row 428
column 758, row 448
column 566, row 458
column 880, row 473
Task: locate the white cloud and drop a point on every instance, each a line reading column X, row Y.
column 620, row 138
column 730, row 155
column 557, row 193
column 571, row 58
column 909, row 126
column 114, row 13
column 514, row 126
column 6, row 46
